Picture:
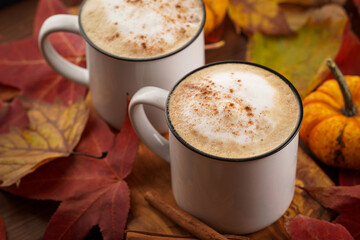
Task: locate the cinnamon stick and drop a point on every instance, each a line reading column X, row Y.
column 182, row 218
column 142, row 235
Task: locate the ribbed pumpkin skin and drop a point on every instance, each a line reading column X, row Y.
column 333, row 137
column 215, row 13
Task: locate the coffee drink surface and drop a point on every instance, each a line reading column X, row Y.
column 233, row 110
column 141, row 28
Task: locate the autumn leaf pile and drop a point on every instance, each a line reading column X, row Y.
column 295, row 38
column 46, row 133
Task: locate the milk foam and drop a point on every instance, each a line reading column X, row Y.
column 226, row 109
column 233, row 110
column 141, row 28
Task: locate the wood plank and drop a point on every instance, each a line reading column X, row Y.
column 25, row 218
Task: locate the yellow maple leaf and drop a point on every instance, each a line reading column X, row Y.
column 297, row 16
column 311, row 3
column 258, row 16
column 53, row 131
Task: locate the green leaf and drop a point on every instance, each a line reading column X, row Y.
column 300, row 57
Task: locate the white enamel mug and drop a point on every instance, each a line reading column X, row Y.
column 237, row 196
column 111, row 78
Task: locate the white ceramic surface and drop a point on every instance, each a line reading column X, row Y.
column 233, row 197
column 111, row 78
column 237, row 197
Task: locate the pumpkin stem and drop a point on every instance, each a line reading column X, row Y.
column 350, row 108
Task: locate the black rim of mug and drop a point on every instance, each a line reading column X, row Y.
column 261, row 156
column 87, row 39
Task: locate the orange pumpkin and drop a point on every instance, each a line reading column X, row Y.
column 331, row 122
column 215, row 13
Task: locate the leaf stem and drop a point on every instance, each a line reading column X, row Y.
column 350, row 108
column 103, row 155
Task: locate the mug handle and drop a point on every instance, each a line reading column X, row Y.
column 144, row 129
column 65, row 23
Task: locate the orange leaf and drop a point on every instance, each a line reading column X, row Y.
column 258, row 15
column 54, row 130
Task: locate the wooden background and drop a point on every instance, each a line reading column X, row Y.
column 27, row 219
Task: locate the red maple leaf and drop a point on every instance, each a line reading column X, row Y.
column 2, row 229
column 302, row 227
column 15, row 115
column 344, row 200
column 92, row 191
column 22, row 65
column 349, row 177
column 348, row 57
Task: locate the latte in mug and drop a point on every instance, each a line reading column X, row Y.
column 141, row 29
column 233, row 110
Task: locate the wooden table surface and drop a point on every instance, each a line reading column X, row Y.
column 27, row 219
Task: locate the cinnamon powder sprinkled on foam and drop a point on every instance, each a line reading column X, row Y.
column 217, row 115
column 173, row 20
